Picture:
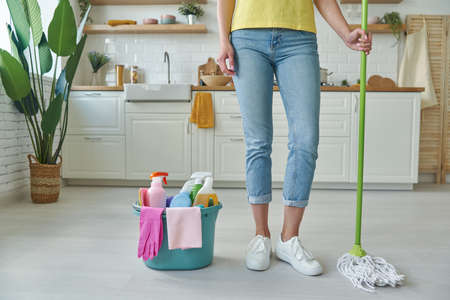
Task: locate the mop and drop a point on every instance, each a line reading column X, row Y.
column 364, row 271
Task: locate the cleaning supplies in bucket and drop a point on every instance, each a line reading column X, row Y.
column 198, row 177
column 156, row 193
column 150, row 232
column 184, row 227
column 183, row 199
column 206, row 196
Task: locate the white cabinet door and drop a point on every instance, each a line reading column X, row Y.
column 158, row 142
column 391, row 137
column 97, row 113
column 229, row 158
column 332, row 164
column 99, row 157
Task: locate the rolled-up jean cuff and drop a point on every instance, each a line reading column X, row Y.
column 295, row 203
column 263, row 199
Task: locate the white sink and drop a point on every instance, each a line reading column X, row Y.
column 157, row 92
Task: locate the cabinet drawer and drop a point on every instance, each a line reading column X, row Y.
column 96, row 113
column 333, row 163
column 227, row 103
column 231, row 125
column 334, row 125
column 330, row 102
column 100, row 157
column 229, row 158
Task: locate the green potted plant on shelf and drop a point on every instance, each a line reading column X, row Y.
column 22, row 73
column 97, row 61
column 192, row 10
column 395, row 23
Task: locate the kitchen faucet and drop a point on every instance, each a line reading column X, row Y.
column 167, row 59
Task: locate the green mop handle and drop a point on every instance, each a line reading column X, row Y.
column 362, row 114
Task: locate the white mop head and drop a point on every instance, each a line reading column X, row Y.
column 367, row 272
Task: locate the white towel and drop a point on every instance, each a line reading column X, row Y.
column 415, row 66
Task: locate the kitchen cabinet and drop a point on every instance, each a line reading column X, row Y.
column 391, row 137
column 158, row 142
column 95, row 142
column 94, row 157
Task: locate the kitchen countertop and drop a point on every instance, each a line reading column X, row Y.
column 229, row 88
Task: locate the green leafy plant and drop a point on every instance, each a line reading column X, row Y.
column 191, row 8
column 97, row 60
column 344, row 82
column 23, row 69
column 395, row 22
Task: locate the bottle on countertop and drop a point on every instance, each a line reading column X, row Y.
column 156, row 193
column 206, row 196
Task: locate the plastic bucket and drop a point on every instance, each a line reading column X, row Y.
column 189, row 259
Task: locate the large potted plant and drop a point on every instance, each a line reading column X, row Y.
column 22, row 73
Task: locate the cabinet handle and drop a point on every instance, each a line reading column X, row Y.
column 237, row 139
column 233, row 93
column 92, row 94
column 235, row 117
column 187, row 126
column 356, row 103
column 87, row 138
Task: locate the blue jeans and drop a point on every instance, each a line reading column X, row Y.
column 292, row 56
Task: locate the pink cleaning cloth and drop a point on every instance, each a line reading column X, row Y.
column 184, row 227
column 151, row 232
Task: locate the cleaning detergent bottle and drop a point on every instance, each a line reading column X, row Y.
column 198, row 182
column 206, row 196
column 156, row 193
column 183, row 199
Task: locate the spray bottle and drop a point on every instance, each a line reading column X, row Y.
column 156, row 193
column 183, row 199
column 206, row 196
column 198, row 182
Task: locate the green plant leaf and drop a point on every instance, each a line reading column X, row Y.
column 52, row 115
column 30, row 102
column 13, row 43
column 61, row 83
column 20, row 20
column 14, row 78
column 45, row 56
column 82, row 24
column 33, row 12
column 74, row 59
column 20, row 49
column 62, row 31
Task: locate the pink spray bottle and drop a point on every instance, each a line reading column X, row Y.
column 156, row 193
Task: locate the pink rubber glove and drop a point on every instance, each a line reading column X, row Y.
column 151, row 231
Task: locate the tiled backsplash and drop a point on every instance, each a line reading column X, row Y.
column 187, row 51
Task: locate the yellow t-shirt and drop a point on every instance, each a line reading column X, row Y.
column 292, row 14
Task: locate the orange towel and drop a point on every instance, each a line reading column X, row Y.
column 202, row 112
column 121, row 22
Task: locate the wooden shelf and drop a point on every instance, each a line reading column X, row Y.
column 96, row 88
column 377, row 28
column 322, row 88
column 371, row 1
column 141, row 28
column 139, row 2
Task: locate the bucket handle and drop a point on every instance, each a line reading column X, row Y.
column 32, row 157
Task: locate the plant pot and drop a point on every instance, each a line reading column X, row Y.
column 191, row 19
column 45, row 180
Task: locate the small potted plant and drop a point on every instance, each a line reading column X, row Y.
column 97, row 61
column 395, row 22
column 192, row 10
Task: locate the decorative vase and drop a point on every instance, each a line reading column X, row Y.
column 45, row 180
column 95, row 78
column 191, row 19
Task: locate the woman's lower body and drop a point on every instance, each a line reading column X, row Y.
column 290, row 55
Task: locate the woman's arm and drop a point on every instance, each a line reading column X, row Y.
column 225, row 10
column 356, row 39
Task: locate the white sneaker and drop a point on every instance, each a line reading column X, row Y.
column 298, row 257
column 258, row 255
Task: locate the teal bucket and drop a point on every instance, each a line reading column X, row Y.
column 189, row 259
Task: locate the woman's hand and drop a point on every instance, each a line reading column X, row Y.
column 358, row 40
column 226, row 53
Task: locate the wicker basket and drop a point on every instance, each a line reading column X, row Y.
column 45, row 180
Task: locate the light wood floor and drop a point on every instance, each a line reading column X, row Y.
column 85, row 246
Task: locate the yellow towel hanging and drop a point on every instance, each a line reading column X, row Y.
column 202, row 111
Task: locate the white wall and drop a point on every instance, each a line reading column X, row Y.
column 190, row 50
